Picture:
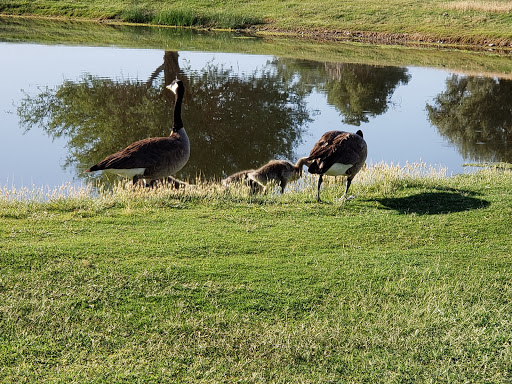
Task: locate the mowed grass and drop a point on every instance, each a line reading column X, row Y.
column 471, row 22
column 409, row 282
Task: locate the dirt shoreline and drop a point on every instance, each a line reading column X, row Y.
column 495, row 45
column 404, row 39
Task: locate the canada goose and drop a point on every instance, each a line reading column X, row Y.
column 242, row 178
column 155, row 157
column 278, row 171
column 338, row 153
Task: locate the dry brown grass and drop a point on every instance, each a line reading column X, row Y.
column 482, row 6
column 44, row 193
column 381, row 176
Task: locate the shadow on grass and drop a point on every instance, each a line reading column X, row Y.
column 433, row 203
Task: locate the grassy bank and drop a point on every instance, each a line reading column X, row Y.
column 97, row 34
column 179, row 39
column 459, row 22
column 410, row 282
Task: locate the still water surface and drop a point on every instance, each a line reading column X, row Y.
column 63, row 108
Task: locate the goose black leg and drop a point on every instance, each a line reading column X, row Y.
column 319, row 184
column 349, row 181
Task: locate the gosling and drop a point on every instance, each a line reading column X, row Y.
column 277, row 172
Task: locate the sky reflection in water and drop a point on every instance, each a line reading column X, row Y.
column 399, row 132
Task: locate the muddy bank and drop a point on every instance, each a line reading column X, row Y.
column 482, row 43
column 417, row 39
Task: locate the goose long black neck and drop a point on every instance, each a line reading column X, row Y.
column 177, row 122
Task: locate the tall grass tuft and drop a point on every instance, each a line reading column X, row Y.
column 375, row 181
column 181, row 18
column 387, row 178
column 137, row 15
column 45, row 193
column 188, row 18
column 378, row 178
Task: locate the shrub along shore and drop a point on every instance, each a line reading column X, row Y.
column 453, row 22
column 409, row 282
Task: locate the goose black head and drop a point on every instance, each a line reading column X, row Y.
column 177, row 87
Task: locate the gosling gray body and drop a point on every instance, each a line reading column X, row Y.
column 280, row 172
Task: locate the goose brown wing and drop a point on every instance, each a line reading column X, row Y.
column 141, row 154
column 350, row 149
column 327, row 151
column 324, row 146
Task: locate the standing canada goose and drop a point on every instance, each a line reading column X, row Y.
column 338, row 153
column 156, row 157
column 242, row 178
column 278, row 171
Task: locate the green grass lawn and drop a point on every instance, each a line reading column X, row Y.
column 473, row 22
column 409, row 282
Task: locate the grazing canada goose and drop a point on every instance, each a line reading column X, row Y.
column 242, row 178
column 338, row 153
column 156, row 157
column 278, row 171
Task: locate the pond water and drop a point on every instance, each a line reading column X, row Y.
column 64, row 108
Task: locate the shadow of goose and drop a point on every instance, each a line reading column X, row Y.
column 434, row 203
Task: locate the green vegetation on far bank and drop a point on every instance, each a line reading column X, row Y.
column 13, row 29
column 452, row 21
column 409, row 282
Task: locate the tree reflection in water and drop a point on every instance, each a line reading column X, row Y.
column 234, row 122
column 475, row 113
column 362, row 91
column 357, row 91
